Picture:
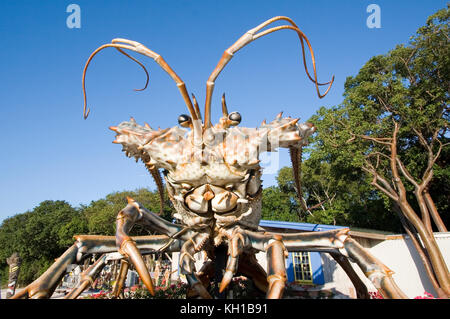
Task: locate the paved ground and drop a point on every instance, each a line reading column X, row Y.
column 3, row 294
column 56, row 295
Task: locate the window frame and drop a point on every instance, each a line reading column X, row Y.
column 297, row 267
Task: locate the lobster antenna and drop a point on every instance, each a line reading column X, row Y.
column 139, row 48
column 249, row 37
column 224, row 106
column 142, row 66
column 197, row 109
column 85, row 114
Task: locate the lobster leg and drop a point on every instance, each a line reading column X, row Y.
column 361, row 288
column 45, row 285
column 339, row 242
column 187, row 265
column 135, row 213
column 378, row 273
column 120, row 280
column 243, row 241
column 276, row 269
column 241, row 261
column 87, row 277
column 205, row 275
column 235, row 248
column 86, row 245
column 250, row 268
column 132, row 214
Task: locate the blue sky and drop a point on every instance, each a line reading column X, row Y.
column 49, row 152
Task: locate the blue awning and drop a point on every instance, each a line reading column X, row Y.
column 298, row 226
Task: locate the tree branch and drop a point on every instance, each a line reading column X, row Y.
column 387, row 189
column 406, row 173
column 380, row 140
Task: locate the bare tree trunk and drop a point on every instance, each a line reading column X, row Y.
column 426, row 220
column 434, row 213
column 412, row 233
column 399, row 196
column 436, row 259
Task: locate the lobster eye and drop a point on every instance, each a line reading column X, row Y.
column 184, row 120
column 235, row 118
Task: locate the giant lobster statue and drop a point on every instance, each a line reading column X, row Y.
column 212, row 175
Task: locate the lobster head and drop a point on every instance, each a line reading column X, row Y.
column 197, row 153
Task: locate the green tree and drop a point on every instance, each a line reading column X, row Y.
column 101, row 214
column 339, row 198
column 11, row 233
column 392, row 129
column 42, row 229
column 39, row 236
column 44, row 233
column 277, row 205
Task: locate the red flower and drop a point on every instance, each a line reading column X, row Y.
column 375, row 295
column 427, row 295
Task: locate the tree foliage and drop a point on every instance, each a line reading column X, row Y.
column 346, row 200
column 39, row 236
column 277, row 205
column 391, row 132
column 409, row 86
column 44, row 233
column 101, row 214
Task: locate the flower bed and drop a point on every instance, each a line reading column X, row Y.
column 377, row 295
column 173, row 291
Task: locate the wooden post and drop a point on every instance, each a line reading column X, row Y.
column 14, row 266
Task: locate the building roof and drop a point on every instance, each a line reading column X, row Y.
column 297, row 226
column 354, row 232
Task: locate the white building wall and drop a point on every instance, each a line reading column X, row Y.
column 397, row 254
column 402, row 258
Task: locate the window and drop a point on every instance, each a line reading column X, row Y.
column 302, row 267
